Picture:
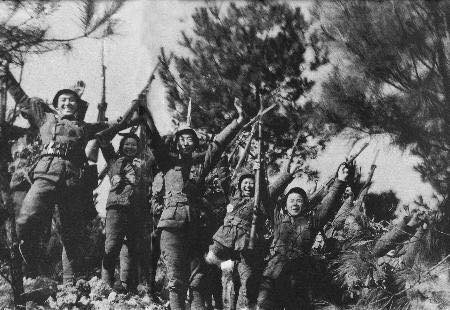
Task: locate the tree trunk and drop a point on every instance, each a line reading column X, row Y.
column 15, row 262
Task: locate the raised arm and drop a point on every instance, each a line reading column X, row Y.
column 400, row 233
column 108, row 152
column 279, row 184
column 330, row 204
column 32, row 108
column 12, row 132
column 345, row 210
column 217, row 147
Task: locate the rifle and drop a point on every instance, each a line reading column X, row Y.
column 93, row 147
column 126, row 121
column 318, row 195
column 238, row 138
column 258, row 180
column 246, row 149
column 365, row 189
column 294, row 148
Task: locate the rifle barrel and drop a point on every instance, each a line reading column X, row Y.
column 353, row 157
column 246, row 149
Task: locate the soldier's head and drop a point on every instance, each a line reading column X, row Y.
column 129, row 145
column 296, row 201
column 246, row 185
column 186, row 140
column 67, row 102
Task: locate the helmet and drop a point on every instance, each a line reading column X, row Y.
column 65, row 91
column 185, row 129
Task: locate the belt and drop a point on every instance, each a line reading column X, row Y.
column 236, row 221
column 59, row 149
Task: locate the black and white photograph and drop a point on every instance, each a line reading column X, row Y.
column 225, row 154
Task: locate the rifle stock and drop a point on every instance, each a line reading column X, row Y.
column 127, row 121
column 258, row 180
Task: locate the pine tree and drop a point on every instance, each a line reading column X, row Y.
column 397, row 78
column 20, row 37
column 246, row 51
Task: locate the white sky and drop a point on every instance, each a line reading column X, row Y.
column 145, row 27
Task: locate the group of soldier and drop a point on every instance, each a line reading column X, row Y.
column 200, row 228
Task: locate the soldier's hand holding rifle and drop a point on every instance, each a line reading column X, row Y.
column 343, row 172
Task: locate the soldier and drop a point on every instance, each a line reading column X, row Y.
column 124, row 209
column 411, row 227
column 232, row 238
column 58, row 174
column 284, row 283
column 180, row 192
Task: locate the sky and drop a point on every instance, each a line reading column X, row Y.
column 130, row 57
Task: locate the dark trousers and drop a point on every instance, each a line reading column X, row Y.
column 121, row 223
column 183, row 257
column 214, row 287
column 149, row 252
column 36, row 214
column 284, row 285
column 249, row 264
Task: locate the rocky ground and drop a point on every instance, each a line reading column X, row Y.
column 85, row 295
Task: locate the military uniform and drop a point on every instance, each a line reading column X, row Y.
column 285, row 277
column 232, row 238
column 58, row 178
column 124, row 213
column 180, row 191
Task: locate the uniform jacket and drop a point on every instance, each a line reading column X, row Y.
column 235, row 231
column 180, row 186
column 55, row 129
column 129, row 178
column 293, row 237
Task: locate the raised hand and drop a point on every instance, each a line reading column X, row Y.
column 295, row 167
column 343, row 173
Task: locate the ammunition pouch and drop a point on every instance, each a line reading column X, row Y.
column 66, row 150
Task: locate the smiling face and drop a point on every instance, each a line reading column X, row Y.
column 295, row 204
column 67, row 104
column 247, row 187
column 130, row 147
column 186, row 144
